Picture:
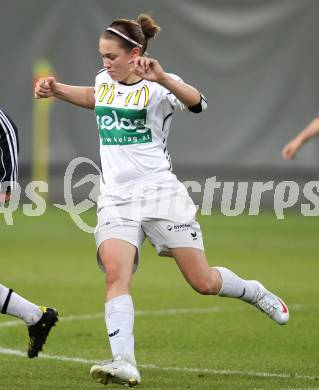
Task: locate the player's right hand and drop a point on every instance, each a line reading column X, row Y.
column 45, row 87
column 290, row 150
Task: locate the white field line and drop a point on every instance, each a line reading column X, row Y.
column 138, row 313
column 163, row 312
column 13, row 352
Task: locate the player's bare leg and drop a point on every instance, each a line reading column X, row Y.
column 117, row 257
column 222, row 281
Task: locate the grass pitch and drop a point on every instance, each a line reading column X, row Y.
column 183, row 340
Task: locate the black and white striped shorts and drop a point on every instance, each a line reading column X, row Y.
column 9, row 148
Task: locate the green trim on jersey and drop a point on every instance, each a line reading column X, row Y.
column 122, row 126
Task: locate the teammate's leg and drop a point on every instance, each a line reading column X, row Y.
column 117, row 257
column 222, row 281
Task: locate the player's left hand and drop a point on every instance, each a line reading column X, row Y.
column 291, row 149
column 147, row 68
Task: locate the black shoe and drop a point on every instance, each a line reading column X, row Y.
column 38, row 332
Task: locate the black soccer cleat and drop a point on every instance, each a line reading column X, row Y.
column 38, row 332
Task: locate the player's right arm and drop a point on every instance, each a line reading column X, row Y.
column 290, row 150
column 80, row 96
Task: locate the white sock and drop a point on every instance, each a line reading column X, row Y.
column 19, row 307
column 235, row 287
column 119, row 320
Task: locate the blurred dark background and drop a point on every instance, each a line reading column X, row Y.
column 255, row 60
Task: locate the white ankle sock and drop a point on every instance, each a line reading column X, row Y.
column 19, row 307
column 119, row 319
column 235, row 287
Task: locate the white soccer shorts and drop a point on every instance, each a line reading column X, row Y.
column 161, row 210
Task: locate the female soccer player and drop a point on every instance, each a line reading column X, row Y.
column 38, row 319
column 310, row 131
column 134, row 100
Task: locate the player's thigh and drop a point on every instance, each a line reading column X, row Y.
column 183, row 241
column 118, row 240
column 194, row 266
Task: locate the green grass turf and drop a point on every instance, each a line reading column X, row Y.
column 50, row 261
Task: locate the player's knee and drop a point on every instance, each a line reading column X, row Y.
column 206, row 287
column 115, row 277
column 112, row 271
column 112, row 278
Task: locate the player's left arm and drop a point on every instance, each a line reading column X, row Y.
column 150, row 69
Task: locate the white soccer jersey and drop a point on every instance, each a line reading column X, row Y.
column 133, row 123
